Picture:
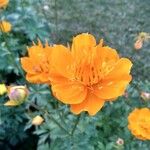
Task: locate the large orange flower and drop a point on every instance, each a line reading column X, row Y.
column 88, row 75
column 139, row 123
column 37, row 64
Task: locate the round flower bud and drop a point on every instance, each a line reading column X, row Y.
column 145, row 96
column 38, row 120
column 17, row 95
column 3, row 89
column 138, row 44
column 46, row 7
column 5, row 26
column 120, row 141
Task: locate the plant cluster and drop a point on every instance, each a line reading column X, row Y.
column 64, row 93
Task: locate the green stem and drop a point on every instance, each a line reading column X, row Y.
column 45, row 15
column 56, row 16
column 58, row 124
column 12, row 58
column 61, row 116
column 22, row 5
column 75, row 125
column 56, row 20
column 50, row 117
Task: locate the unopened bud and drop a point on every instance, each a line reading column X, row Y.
column 17, row 95
column 120, row 141
column 126, row 95
column 46, row 7
column 38, row 120
column 145, row 96
column 3, row 89
column 143, row 36
column 138, row 44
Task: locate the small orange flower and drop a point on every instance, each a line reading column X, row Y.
column 3, row 3
column 5, row 26
column 37, row 63
column 88, row 75
column 139, row 123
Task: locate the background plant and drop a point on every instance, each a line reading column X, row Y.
column 118, row 23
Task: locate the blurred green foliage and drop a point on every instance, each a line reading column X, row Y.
column 118, row 22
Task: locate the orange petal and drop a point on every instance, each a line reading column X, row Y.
column 116, row 81
column 112, row 89
column 69, row 92
column 92, row 104
column 56, row 78
column 82, row 43
column 27, row 65
column 61, row 61
column 35, row 50
column 37, row 78
column 107, row 54
column 122, row 68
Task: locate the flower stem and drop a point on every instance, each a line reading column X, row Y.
column 45, row 15
column 75, row 125
column 58, row 124
column 50, row 117
column 56, row 20
column 61, row 116
column 12, row 58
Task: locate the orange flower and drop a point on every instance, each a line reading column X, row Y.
column 3, row 3
column 5, row 26
column 88, row 75
column 37, row 64
column 139, row 123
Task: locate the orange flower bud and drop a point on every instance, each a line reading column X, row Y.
column 38, row 120
column 5, row 26
column 138, row 44
column 126, row 95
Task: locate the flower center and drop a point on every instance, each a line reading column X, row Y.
column 91, row 72
column 88, row 75
column 88, row 71
column 42, row 67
